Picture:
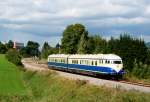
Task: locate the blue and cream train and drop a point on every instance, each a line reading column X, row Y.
column 109, row 64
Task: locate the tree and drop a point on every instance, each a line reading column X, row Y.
column 100, row 44
column 32, row 48
column 45, row 50
column 57, row 45
column 82, row 46
column 13, row 56
column 148, row 57
column 90, row 45
column 23, row 52
column 129, row 49
column 10, row 44
column 3, row 48
column 71, row 38
column 96, row 44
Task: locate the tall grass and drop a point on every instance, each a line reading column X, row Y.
column 140, row 73
column 49, row 87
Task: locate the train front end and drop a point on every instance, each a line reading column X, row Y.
column 114, row 63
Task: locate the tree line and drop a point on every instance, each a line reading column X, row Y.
column 133, row 51
column 31, row 49
column 77, row 40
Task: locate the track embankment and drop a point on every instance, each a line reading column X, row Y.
column 29, row 64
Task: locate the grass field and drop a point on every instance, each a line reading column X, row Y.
column 50, row 87
column 10, row 78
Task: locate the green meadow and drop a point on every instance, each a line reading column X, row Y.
column 26, row 86
column 10, row 78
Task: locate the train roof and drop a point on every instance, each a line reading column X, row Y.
column 96, row 56
column 59, row 56
column 88, row 56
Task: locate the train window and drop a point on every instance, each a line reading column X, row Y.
column 76, row 61
column 62, row 60
column 92, row 63
column 117, row 62
column 107, row 61
column 86, row 62
column 101, row 61
column 96, row 63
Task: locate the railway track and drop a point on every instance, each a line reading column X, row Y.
column 135, row 83
column 123, row 84
column 122, row 81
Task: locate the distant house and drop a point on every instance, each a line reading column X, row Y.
column 18, row 45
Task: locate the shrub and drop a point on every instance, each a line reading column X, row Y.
column 3, row 49
column 141, row 71
column 14, row 56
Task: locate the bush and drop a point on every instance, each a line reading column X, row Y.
column 141, row 71
column 13, row 56
column 3, row 49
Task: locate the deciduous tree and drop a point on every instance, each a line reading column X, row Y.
column 71, row 38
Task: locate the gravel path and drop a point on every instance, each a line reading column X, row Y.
column 30, row 65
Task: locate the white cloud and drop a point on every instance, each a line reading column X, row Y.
column 50, row 17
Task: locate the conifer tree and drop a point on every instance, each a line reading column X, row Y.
column 45, row 50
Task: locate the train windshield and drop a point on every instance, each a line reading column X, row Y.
column 117, row 62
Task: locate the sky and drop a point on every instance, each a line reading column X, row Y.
column 45, row 20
